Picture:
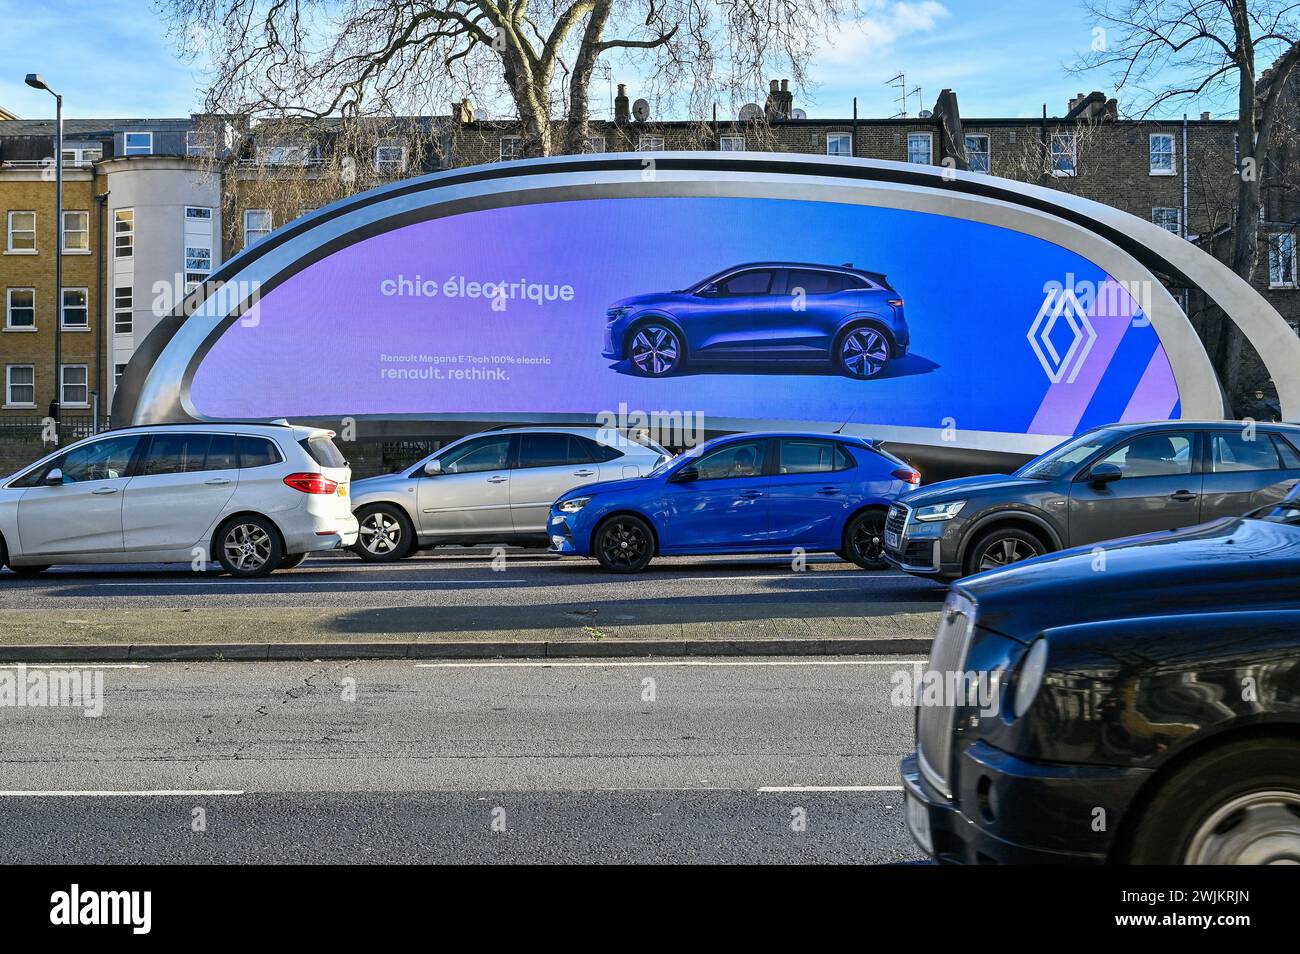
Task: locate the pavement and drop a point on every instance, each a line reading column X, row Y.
column 709, row 759
column 464, row 603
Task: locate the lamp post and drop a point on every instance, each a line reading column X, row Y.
column 36, row 81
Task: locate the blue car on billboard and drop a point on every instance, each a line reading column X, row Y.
column 780, row 313
column 745, row 493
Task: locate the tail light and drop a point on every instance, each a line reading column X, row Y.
column 312, row 483
column 908, row 476
column 896, row 302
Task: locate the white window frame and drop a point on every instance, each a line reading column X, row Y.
column 839, row 137
column 63, row 309
column 11, row 232
column 9, row 309
column 986, row 152
column 506, row 154
column 929, row 148
column 260, row 232
column 64, row 385
column 1072, row 153
column 129, row 150
column 118, row 371
column 123, row 217
column 204, row 212
column 647, row 143
column 1177, row 217
column 196, row 275
column 10, row 385
column 383, row 166
column 732, row 144
column 121, row 311
column 593, row 144
column 1172, row 154
column 1276, row 273
column 195, row 146
column 83, row 230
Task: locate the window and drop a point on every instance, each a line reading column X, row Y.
column 323, row 451
column 123, row 317
column 1162, row 154
column 819, row 282
column 1152, row 455
column 198, row 264
column 742, row 459
column 548, row 450
column 197, row 213
column 1281, row 260
column 511, row 147
column 20, row 310
column 977, row 153
column 732, row 143
column 1065, row 154
column 593, row 144
column 124, row 233
column 839, row 144
column 811, row 457
column 173, row 453
column 390, row 160
column 288, row 154
column 74, row 385
column 746, row 283
column 585, row 450
column 1171, row 220
column 650, row 144
column 258, row 452
column 81, row 155
column 137, row 143
column 1290, row 457
column 22, row 233
column 20, row 385
column 223, row 453
column 76, row 231
column 257, row 225
column 76, row 308
column 472, row 457
column 108, row 459
column 118, row 371
column 201, row 143
column 1231, row 451
column 920, row 148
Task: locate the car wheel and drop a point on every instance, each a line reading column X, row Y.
column 1002, row 547
column 862, row 352
column 249, row 547
column 1238, row 805
column 655, row 351
column 624, row 544
column 384, row 534
column 30, row 570
column 864, row 540
column 291, row 560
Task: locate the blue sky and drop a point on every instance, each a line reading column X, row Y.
column 112, row 58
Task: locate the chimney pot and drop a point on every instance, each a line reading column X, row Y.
column 1205, row 117
column 773, row 86
column 785, row 85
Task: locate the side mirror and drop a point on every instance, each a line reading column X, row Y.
column 1104, row 474
column 686, row 475
column 433, row 468
column 54, row 478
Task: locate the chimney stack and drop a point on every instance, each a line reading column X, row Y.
column 463, row 112
column 622, row 111
column 780, row 101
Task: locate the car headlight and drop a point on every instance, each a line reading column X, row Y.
column 1030, row 678
column 943, row 511
column 614, row 314
column 573, row 504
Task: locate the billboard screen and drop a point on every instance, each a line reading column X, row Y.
column 751, row 309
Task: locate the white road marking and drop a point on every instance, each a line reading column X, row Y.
column 592, row 664
column 140, row 794
column 831, row 788
column 325, row 583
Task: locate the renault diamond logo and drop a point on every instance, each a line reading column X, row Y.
column 1061, row 303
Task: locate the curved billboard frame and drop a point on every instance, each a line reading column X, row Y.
column 156, row 385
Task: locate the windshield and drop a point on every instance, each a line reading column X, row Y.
column 1065, row 457
column 692, row 454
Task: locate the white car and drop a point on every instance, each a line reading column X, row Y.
column 254, row 497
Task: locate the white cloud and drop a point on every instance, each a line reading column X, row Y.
column 881, row 25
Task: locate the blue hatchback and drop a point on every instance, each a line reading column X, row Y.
column 747, row 493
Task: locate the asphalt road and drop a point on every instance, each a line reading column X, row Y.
column 706, row 760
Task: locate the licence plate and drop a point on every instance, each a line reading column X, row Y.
column 918, row 823
column 343, row 490
column 891, row 540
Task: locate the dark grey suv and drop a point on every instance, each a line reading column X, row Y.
column 1114, row 481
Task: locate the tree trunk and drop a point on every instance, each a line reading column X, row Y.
column 575, row 138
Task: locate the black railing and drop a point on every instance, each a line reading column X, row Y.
column 42, row 429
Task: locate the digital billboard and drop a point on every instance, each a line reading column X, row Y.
column 738, row 308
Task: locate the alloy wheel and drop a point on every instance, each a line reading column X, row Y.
column 381, row 533
column 863, row 352
column 868, row 538
column 624, row 544
column 1260, row 828
column 247, row 546
column 1004, row 552
column 655, row 350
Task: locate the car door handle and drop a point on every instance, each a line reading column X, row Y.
column 828, row 491
column 497, row 480
column 584, row 473
column 217, row 481
column 1182, row 495
column 104, row 491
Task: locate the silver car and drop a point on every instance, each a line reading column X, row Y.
column 254, row 497
column 492, row 487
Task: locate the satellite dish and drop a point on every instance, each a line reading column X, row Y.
column 926, row 114
column 750, row 112
column 799, row 114
column 641, row 110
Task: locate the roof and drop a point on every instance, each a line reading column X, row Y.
column 89, row 128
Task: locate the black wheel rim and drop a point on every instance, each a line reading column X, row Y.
column 1004, row 552
column 868, row 543
column 624, row 544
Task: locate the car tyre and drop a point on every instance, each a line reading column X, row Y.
column 1238, row 804
column 1001, row 547
column 655, row 350
column 862, row 352
column 864, row 540
column 624, row 544
column 249, row 547
column 385, row 534
column 292, row 560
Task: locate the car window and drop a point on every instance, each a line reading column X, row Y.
column 547, row 450
column 810, row 457
column 1231, row 451
column 102, row 460
column 488, row 453
column 747, row 283
column 1152, row 455
column 323, row 451
column 1290, row 457
column 223, row 453
column 593, row 452
column 257, row 452
column 1064, row 457
column 174, row 453
column 817, row 282
column 742, row 459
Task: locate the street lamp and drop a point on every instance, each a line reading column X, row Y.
column 36, row 81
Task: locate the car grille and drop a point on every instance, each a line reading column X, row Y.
column 897, row 519
column 934, row 723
